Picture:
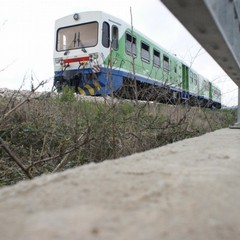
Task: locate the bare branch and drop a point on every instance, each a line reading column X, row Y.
column 14, row 157
column 23, row 101
column 3, row 69
column 61, row 154
column 62, row 163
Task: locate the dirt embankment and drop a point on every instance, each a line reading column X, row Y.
column 186, row 190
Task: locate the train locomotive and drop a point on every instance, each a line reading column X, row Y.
column 98, row 54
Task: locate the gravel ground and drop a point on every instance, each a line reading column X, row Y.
column 23, row 94
column 185, row 190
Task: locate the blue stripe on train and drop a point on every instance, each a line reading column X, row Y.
column 112, row 80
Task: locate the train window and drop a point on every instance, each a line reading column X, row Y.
column 105, row 35
column 206, row 86
column 131, row 47
column 77, row 37
column 156, row 58
column 195, row 78
column 191, row 77
column 114, row 37
column 145, row 53
column 165, row 63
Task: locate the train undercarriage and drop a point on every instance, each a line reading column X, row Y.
column 130, row 88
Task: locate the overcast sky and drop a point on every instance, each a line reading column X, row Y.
column 27, row 31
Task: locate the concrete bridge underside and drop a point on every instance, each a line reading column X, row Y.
column 216, row 26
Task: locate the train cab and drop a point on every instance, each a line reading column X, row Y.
column 82, row 47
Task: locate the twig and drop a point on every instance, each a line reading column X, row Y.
column 24, row 101
column 13, row 109
column 3, row 69
column 15, row 158
column 62, row 163
column 210, row 126
column 59, row 155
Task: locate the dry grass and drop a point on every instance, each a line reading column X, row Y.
column 52, row 134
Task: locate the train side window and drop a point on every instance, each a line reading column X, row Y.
column 191, row 77
column 156, row 58
column 105, row 35
column 145, row 52
column 195, row 77
column 165, row 63
column 206, row 85
column 131, row 47
column 114, row 37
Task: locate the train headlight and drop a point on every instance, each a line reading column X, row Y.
column 93, row 56
column 58, row 60
column 76, row 16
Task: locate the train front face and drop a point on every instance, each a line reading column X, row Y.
column 79, row 54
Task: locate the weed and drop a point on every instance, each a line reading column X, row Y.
column 52, row 134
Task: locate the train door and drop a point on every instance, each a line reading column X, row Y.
column 210, row 90
column 115, row 37
column 110, row 40
column 174, row 73
column 185, row 81
column 110, row 35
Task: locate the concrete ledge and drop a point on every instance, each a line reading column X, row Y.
column 186, row 190
column 235, row 126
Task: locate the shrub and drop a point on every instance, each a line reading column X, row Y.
column 52, row 134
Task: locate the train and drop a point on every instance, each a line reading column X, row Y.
column 98, row 54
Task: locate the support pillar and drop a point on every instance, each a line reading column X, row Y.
column 237, row 124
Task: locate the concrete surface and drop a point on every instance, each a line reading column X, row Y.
column 186, row 190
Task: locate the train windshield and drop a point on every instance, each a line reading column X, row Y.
column 77, row 37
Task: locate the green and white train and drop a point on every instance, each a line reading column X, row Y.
column 99, row 54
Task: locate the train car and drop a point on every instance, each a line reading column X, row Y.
column 99, row 54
